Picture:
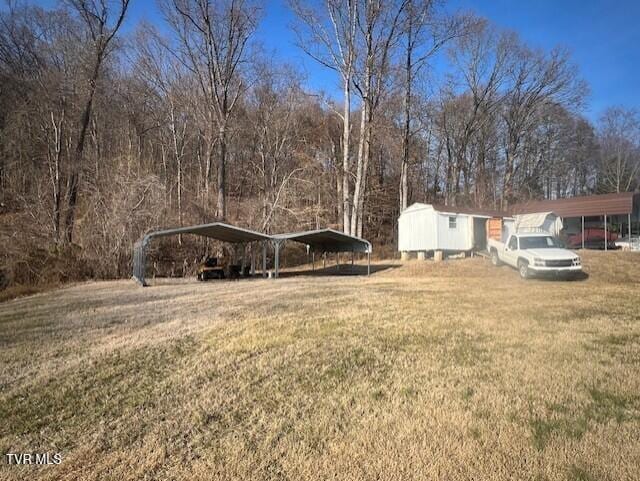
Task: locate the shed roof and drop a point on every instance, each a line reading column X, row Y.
column 451, row 209
column 588, row 205
column 328, row 240
column 217, row 230
column 472, row 211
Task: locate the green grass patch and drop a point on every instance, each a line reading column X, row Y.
column 618, row 340
column 562, row 420
column 107, row 389
column 543, row 429
column 467, row 393
column 576, row 473
column 608, row 405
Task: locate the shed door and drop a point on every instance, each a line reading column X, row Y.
column 494, row 228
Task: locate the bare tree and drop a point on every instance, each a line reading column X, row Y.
column 619, row 132
column 213, row 39
column 167, row 78
column 425, row 32
column 102, row 20
column 379, row 30
column 276, row 100
column 480, row 59
column 331, row 41
column 535, row 81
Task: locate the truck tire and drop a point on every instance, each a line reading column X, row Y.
column 495, row 259
column 523, row 269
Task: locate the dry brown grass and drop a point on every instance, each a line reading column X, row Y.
column 16, row 291
column 423, row 371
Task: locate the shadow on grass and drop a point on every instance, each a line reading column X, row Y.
column 342, row 270
column 577, row 277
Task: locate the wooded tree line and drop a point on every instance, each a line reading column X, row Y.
column 107, row 133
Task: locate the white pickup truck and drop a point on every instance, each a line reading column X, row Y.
column 534, row 253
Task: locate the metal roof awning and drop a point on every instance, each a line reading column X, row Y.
column 328, row 240
column 217, row 230
column 589, row 205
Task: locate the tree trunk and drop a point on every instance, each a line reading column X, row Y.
column 208, row 167
column 365, row 171
column 339, row 184
column 178, row 158
column 221, row 213
column 55, row 172
column 507, row 189
column 346, row 134
column 76, row 164
column 404, row 168
column 358, row 188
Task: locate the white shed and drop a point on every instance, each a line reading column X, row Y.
column 429, row 227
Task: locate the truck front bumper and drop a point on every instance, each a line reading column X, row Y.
column 557, row 271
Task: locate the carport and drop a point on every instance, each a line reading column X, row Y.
column 323, row 241
column 218, row 230
column 598, row 210
column 317, row 241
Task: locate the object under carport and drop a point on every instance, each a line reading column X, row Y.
column 321, row 240
column 217, row 230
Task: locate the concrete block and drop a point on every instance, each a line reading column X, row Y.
column 404, row 255
column 438, row 256
column 422, row 255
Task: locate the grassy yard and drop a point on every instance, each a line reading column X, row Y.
column 449, row 371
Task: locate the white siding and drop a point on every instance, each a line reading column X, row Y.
column 417, row 228
column 420, row 228
column 459, row 238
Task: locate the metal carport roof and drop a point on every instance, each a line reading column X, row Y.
column 217, row 230
column 588, row 205
column 328, row 240
column 321, row 240
column 324, row 240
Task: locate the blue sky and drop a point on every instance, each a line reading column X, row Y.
column 602, row 35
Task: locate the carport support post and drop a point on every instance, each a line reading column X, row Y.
column 276, row 247
column 140, row 260
column 629, row 220
column 253, row 259
column 368, row 263
column 243, row 263
column 264, row 258
column 583, row 232
column 313, row 260
column 605, row 233
column 324, row 260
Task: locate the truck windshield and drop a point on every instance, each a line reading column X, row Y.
column 537, row 242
